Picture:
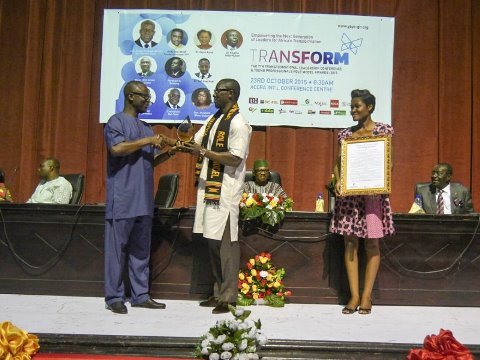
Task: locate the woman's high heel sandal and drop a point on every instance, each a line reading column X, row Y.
column 365, row 311
column 350, row 310
column 347, row 311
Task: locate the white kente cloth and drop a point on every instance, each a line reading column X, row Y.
column 269, row 188
column 210, row 220
column 57, row 191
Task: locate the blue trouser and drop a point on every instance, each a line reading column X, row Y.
column 127, row 241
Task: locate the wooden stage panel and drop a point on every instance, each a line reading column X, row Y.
column 432, row 260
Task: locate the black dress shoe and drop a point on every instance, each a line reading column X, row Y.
column 210, row 302
column 117, row 307
column 222, row 308
column 150, row 304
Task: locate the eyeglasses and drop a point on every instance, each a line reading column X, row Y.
column 145, row 97
column 260, row 171
column 216, row 91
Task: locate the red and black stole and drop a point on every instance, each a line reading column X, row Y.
column 213, row 186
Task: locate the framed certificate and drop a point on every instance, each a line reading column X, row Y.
column 365, row 166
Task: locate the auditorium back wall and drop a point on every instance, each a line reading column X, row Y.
column 50, row 81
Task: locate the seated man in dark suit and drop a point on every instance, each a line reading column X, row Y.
column 444, row 197
column 261, row 183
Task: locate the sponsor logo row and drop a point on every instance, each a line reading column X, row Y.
column 334, row 103
column 296, row 111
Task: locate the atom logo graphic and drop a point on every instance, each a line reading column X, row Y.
column 351, row 45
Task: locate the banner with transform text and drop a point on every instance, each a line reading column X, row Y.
column 293, row 69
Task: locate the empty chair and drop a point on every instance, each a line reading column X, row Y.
column 78, row 183
column 167, row 190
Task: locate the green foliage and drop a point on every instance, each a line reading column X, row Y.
column 244, row 301
column 272, row 217
column 269, row 209
column 252, row 212
column 275, row 300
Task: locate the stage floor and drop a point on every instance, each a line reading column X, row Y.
column 386, row 324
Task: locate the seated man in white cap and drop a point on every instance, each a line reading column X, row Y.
column 261, row 175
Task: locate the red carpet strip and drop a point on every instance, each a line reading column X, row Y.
column 41, row 356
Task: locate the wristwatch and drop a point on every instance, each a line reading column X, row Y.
column 203, row 151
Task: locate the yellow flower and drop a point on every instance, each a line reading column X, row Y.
column 245, row 291
column 255, row 296
column 252, row 261
column 276, row 284
column 250, row 202
column 244, row 196
column 253, row 272
column 263, row 259
column 273, row 203
column 269, row 277
column 254, row 288
column 270, row 284
column 249, row 279
column 245, row 286
column 241, row 276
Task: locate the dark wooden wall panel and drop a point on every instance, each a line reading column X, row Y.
column 432, row 260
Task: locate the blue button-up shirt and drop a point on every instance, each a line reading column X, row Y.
column 129, row 177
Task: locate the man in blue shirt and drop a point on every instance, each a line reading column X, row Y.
column 132, row 153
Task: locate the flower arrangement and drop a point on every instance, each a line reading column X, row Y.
column 441, row 346
column 237, row 339
column 16, row 343
column 268, row 208
column 262, row 280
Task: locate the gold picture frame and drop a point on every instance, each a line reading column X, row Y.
column 366, row 166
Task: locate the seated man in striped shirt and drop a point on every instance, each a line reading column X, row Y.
column 261, row 183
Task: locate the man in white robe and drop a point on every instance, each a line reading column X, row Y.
column 217, row 219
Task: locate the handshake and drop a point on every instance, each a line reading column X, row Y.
column 160, row 141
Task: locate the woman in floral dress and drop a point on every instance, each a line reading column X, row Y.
column 368, row 217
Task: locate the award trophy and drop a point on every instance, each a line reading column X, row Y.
column 185, row 131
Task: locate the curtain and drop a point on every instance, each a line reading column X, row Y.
column 50, row 81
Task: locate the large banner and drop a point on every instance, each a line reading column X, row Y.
column 293, row 69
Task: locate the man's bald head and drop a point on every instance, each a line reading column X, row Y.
column 133, row 86
column 49, row 168
column 137, row 98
